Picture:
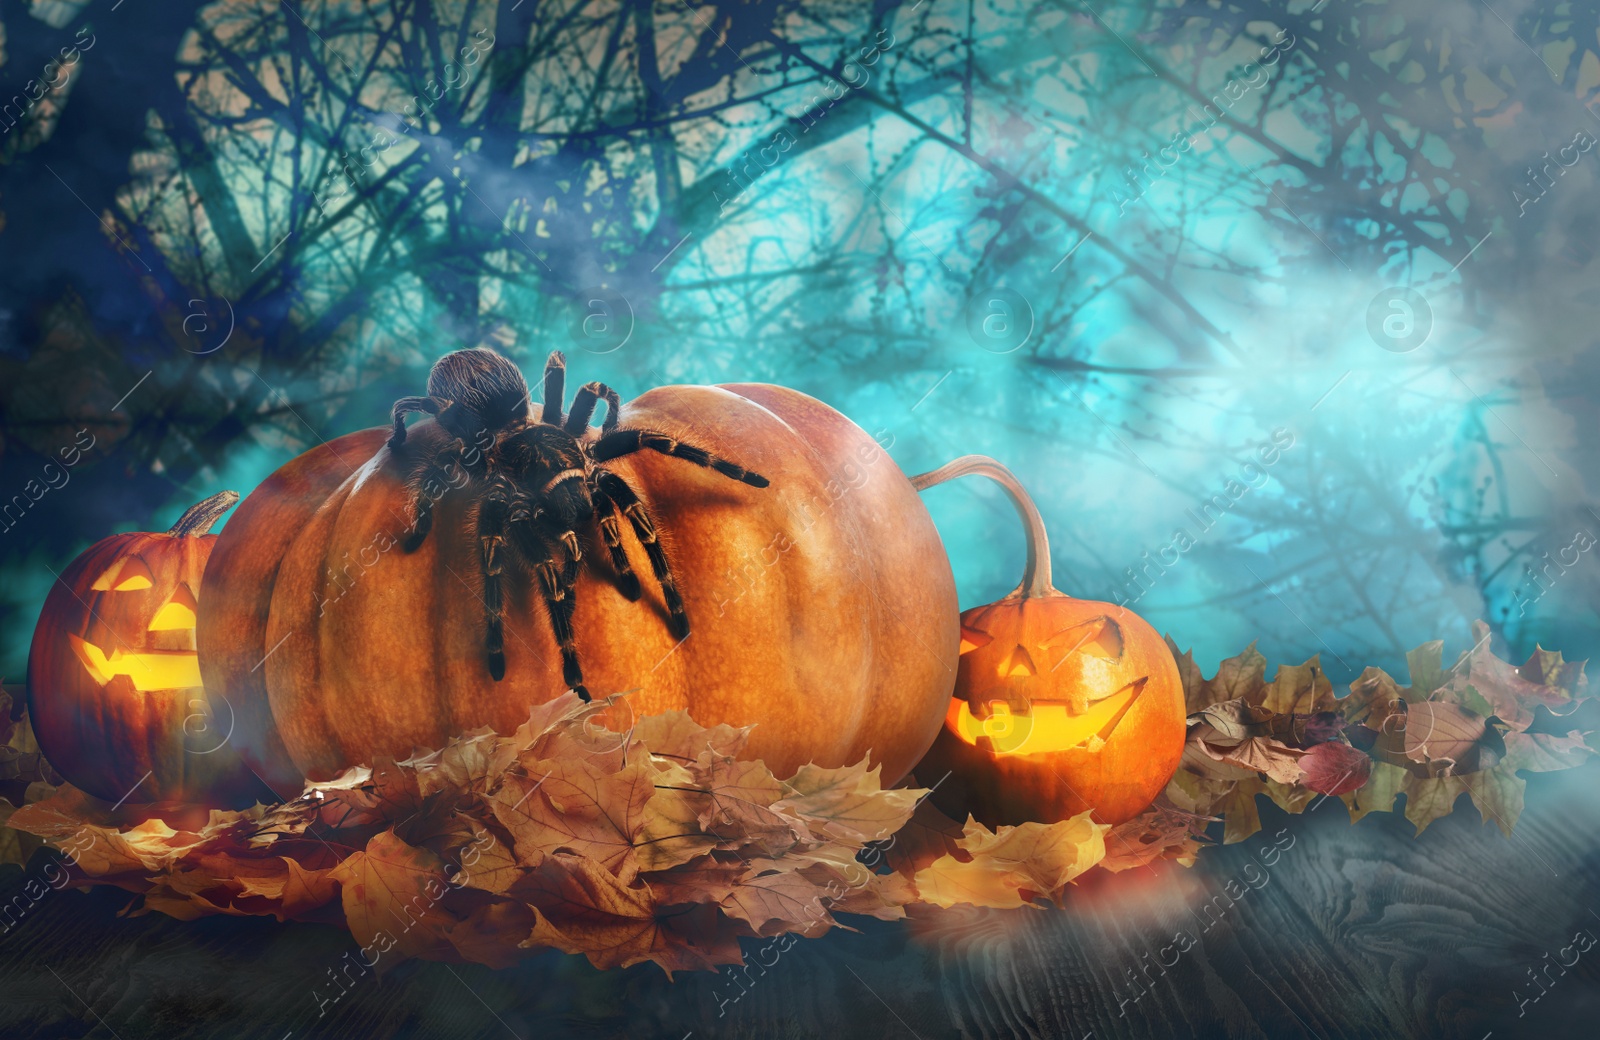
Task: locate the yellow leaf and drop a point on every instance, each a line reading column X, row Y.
column 391, row 894
column 1011, row 866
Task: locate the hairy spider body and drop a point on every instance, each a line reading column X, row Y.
column 534, row 484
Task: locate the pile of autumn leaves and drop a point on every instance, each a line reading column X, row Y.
column 1467, row 729
column 655, row 844
column 659, row 844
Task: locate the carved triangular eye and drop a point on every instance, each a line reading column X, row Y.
column 128, row 574
column 178, row 615
column 972, row 638
column 1017, row 663
column 1100, row 637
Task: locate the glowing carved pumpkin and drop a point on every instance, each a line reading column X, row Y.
column 822, row 608
column 114, row 687
column 1061, row 704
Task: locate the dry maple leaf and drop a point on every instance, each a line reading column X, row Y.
column 573, row 804
column 466, row 765
column 1161, row 832
column 675, row 735
column 1231, row 740
column 849, row 803
column 1012, row 866
column 493, row 933
column 583, row 908
column 25, row 778
column 391, row 893
column 704, row 879
column 15, row 846
column 773, row 898
column 21, row 762
column 493, row 866
column 928, row 835
column 740, row 795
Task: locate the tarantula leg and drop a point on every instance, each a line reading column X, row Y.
column 644, row 529
column 428, row 487
column 560, row 600
column 583, row 404
column 555, row 387
column 626, row 442
column 493, row 512
column 405, row 406
column 605, row 512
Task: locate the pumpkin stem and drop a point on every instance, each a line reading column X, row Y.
column 1036, row 574
column 200, row 516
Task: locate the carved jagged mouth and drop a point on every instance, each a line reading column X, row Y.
column 154, row 670
column 1047, row 727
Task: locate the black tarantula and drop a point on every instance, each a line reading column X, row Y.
column 534, row 483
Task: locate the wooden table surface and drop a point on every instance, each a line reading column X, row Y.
column 1358, row 931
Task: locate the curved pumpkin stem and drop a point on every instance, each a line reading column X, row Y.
column 197, row 520
column 1036, row 573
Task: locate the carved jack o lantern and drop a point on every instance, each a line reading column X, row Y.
column 1061, row 704
column 114, row 687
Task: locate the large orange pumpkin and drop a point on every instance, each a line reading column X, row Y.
column 1061, row 704
column 823, row 609
column 114, row 686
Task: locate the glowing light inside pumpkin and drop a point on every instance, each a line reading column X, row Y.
column 177, row 615
column 129, row 574
column 1046, row 728
column 147, row 671
column 1017, row 662
column 972, row 638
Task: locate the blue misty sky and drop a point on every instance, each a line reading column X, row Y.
column 1174, row 322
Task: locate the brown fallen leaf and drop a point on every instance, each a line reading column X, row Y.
column 675, row 735
column 573, row 804
column 672, row 833
column 486, row 862
column 305, row 890
column 392, row 894
column 1245, row 760
column 1512, row 695
column 15, row 846
column 583, row 908
column 1448, row 738
column 772, row 898
column 1161, row 832
column 849, row 803
column 704, row 879
column 493, row 933
column 928, row 835
column 1247, row 737
column 740, row 795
